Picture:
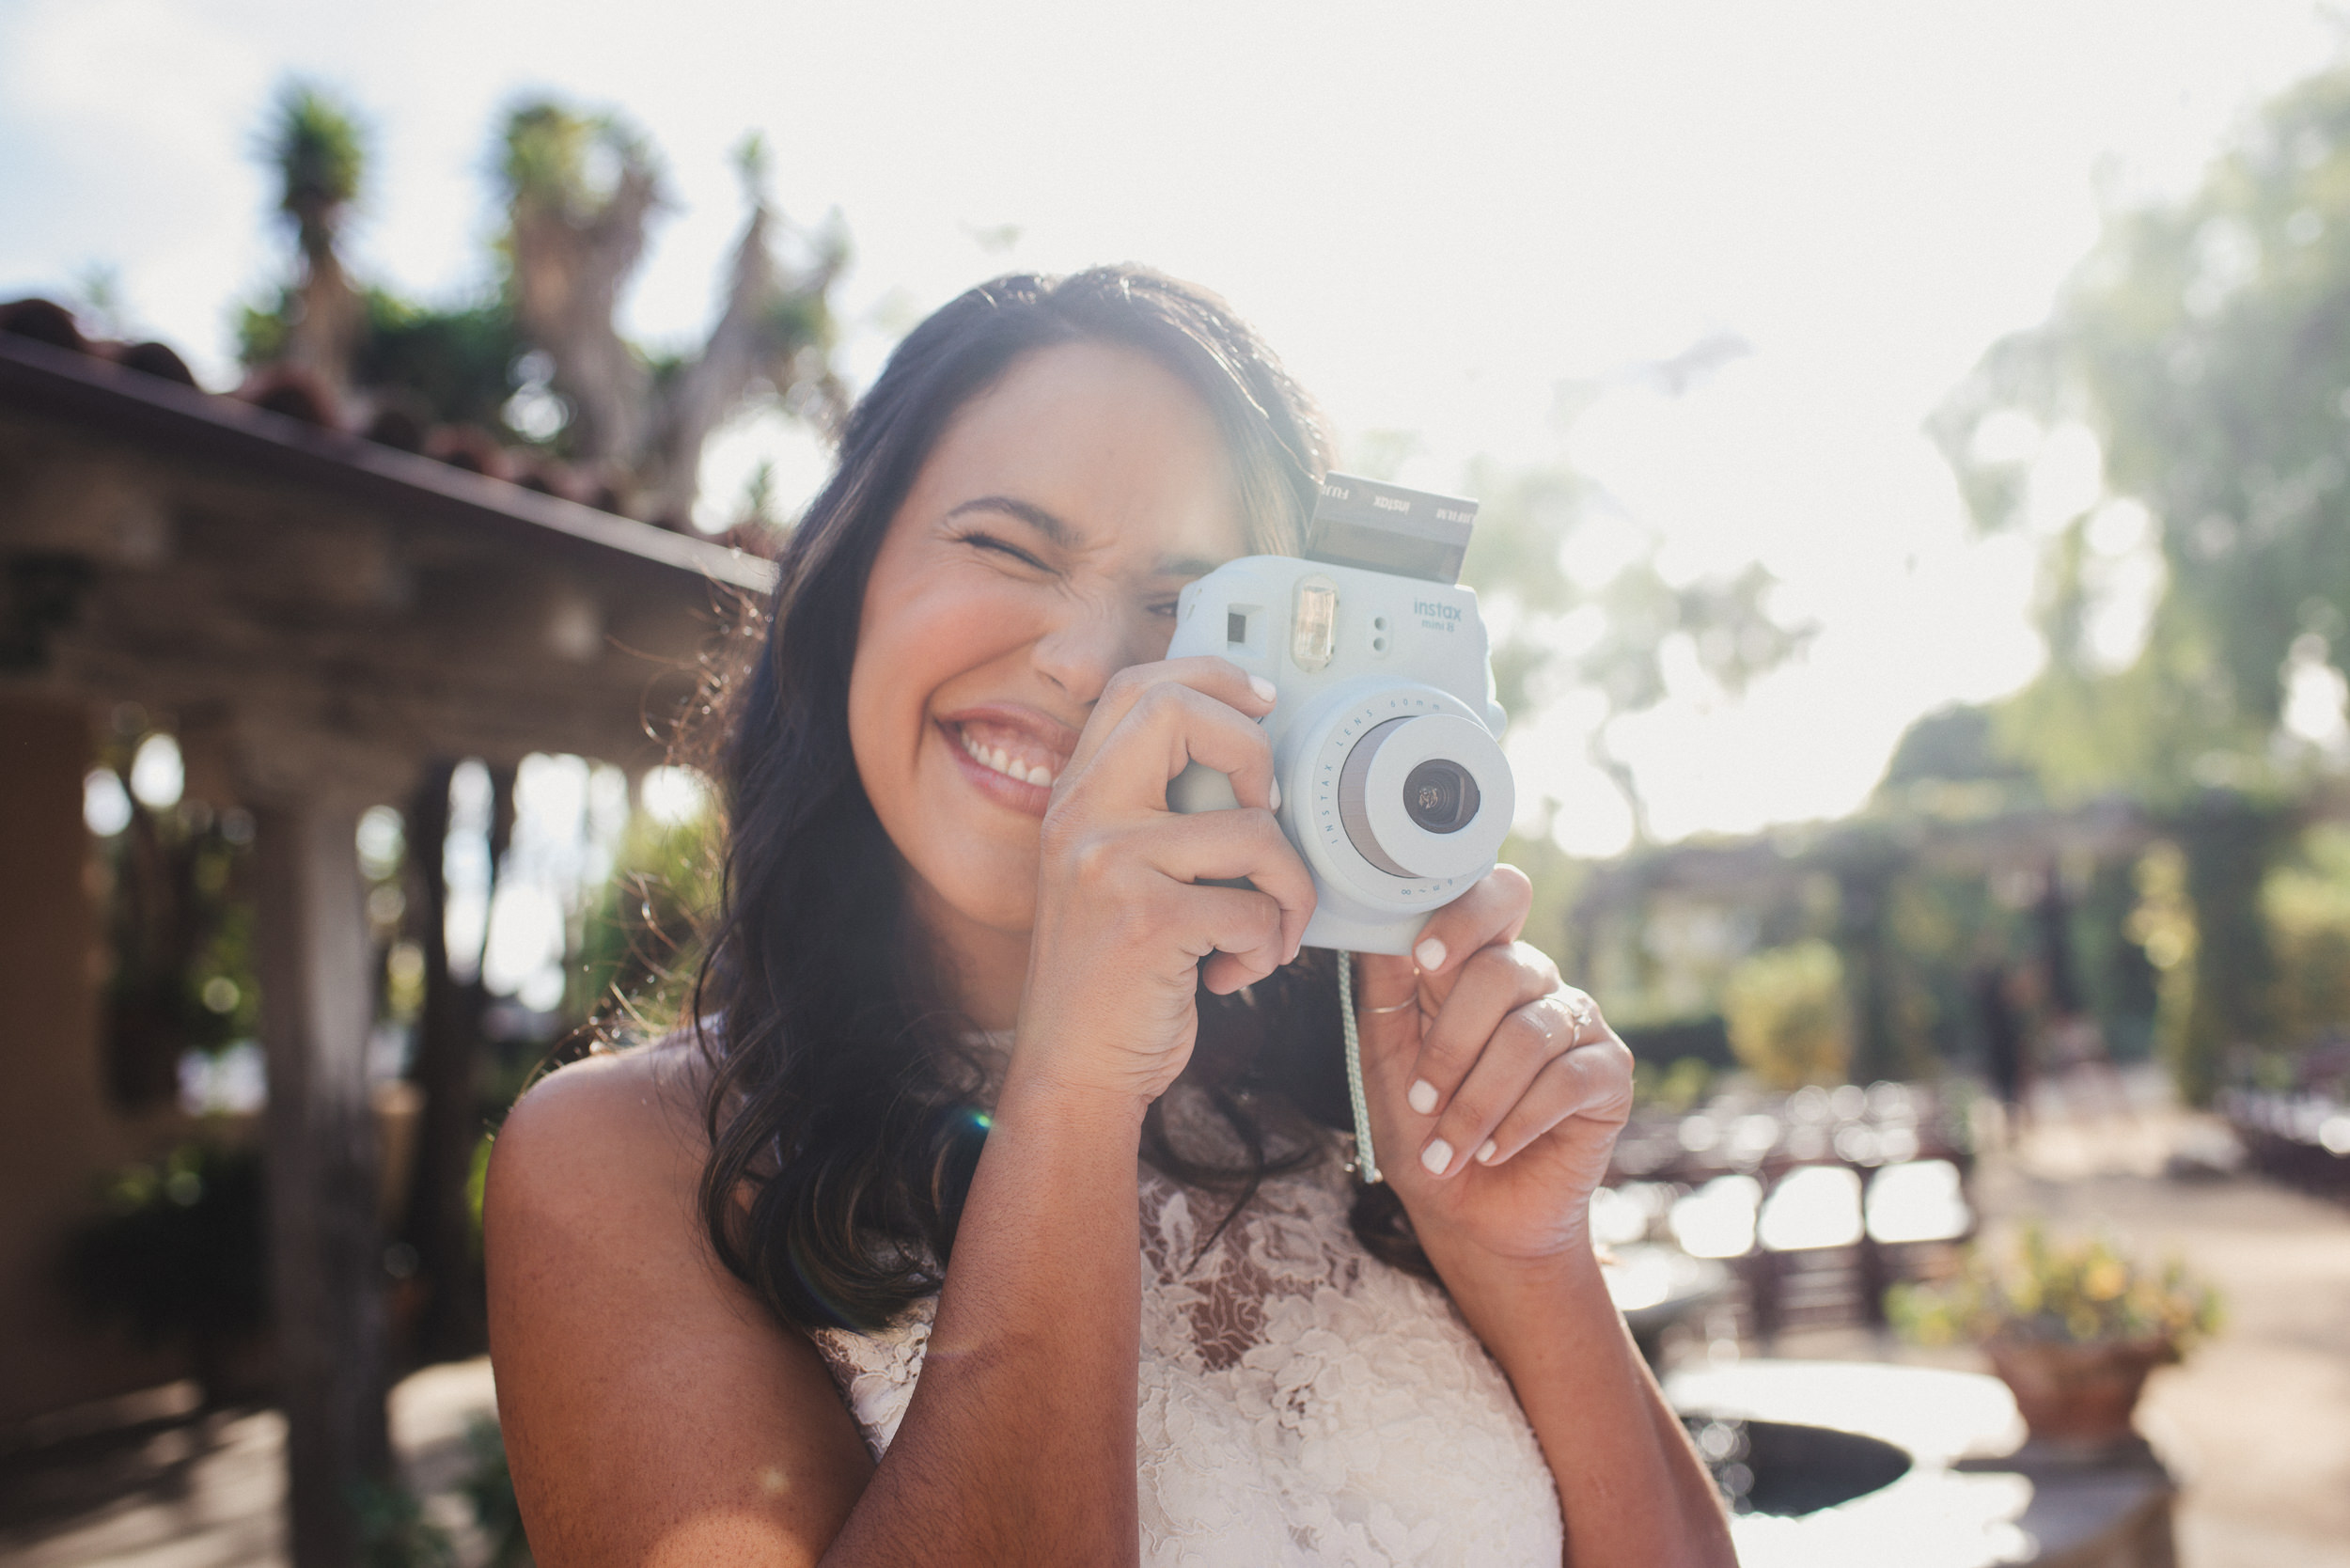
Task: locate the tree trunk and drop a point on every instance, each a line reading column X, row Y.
column 446, row 1069
column 569, row 270
column 749, row 341
column 329, row 317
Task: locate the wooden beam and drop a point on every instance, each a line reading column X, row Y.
column 326, row 1255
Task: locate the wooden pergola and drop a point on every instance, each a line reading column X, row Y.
column 323, row 617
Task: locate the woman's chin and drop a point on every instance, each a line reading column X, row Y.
column 975, row 889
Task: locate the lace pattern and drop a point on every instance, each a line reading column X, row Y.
column 1298, row 1402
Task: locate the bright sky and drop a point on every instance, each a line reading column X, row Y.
column 1436, row 213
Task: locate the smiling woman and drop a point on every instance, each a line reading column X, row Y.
column 1007, row 1105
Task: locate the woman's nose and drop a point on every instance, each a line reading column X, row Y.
column 1084, row 647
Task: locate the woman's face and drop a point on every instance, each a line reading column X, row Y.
column 1038, row 552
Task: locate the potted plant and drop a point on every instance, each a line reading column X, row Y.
column 2073, row 1329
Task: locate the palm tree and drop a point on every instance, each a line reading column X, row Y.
column 318, row 152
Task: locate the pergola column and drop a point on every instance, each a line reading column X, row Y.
column 326, row 1254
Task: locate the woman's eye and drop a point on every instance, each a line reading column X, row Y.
column 993, row 545
column 1163, row 606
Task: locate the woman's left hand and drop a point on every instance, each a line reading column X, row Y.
column 1496, row 1090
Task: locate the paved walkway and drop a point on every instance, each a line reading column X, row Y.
column 2257, row 1422
column 210, row 1492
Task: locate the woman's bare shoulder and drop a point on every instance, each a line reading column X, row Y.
column 644, row 1390
column 640, row 1107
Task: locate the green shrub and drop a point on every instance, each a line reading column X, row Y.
column 1789, row 1023
column 394, row 1531
column 2307, row 911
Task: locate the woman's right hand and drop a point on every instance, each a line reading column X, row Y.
column 1125, row 906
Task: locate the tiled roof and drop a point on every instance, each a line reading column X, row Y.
column 295, row 394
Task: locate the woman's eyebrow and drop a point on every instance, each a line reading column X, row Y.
column 1051, row 527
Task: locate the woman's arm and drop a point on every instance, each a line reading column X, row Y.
column 1019, row 1446
column 1631, row 1486
column 655, row 1414
column 1495, row 1105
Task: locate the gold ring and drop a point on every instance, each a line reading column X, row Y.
column 1412, row 1002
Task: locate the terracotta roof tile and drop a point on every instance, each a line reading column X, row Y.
column 389, row 421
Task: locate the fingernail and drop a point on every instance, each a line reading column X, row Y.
column 1437, row 1157
column 1274, row 804
column 1262, row 687
column 1430, row 953
column 1485, row 1156
column 1423, row 1095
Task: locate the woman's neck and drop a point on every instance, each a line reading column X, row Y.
column 985, row 967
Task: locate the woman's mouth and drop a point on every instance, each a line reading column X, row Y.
column 1011, row 753
column 1011, row 762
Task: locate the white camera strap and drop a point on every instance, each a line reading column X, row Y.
column 1366, row 1159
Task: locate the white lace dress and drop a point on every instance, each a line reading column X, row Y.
column 1299, row 1402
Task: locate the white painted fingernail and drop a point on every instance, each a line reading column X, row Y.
column 1274, row 794
column 1485, row 1156
column 1423, row 1095
column 1262, row 687
column 1430, row 953
column 1437, row 1157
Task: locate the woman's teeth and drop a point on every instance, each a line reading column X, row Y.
column 994, row 756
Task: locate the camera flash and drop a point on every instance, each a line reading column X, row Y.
column 1313, row 626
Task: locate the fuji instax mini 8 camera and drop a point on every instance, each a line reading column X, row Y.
column 1386, row 734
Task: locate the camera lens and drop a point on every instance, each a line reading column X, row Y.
column 1439, row 796
column 1424, row 797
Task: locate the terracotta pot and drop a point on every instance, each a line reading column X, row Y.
column 2076, row 1393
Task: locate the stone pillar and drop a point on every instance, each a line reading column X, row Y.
column 326, row 1252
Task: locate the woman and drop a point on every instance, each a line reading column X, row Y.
column 849, row 1272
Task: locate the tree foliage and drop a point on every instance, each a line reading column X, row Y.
column 2205, row 344
column 318, row 150
column 642, row 936
column 2205, row 348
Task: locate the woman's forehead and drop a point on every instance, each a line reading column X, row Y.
column 1108, row 447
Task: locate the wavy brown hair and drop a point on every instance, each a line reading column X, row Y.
column 843, row 1101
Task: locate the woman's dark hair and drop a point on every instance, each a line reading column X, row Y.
column 843, row 1100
